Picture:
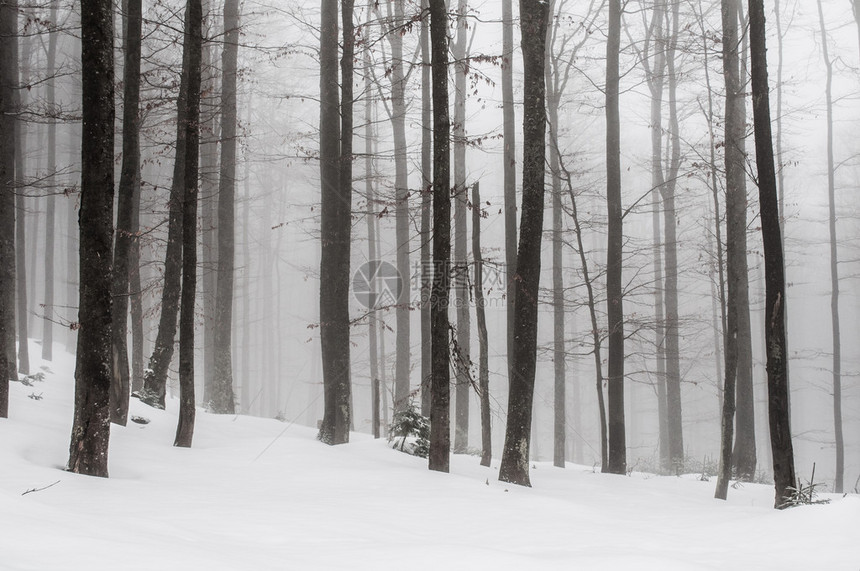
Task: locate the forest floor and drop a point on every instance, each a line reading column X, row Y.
column 261, row 494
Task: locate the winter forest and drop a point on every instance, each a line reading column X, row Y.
column 600, row 256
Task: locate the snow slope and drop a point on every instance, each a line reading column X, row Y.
column 261, row 494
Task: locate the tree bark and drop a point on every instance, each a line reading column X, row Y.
column 514, row 468
column 509, row 170
column 440, row 431
column 129, row 179
column 461, row 261
column 88, row 450
column 426, row 210
column 617, row 462
column 8, row 80
column 51, row 214
column 775, row 302
column 335, row 166
column 834, row 268
column 223, row 401
column 483, row 348
column 192, row 48
column 20, row 139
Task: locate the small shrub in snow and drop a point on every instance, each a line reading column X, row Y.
column 410, row 432
column 803, row 495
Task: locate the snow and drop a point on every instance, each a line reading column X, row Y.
column 262, row 494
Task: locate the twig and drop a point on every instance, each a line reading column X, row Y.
column 40, row 489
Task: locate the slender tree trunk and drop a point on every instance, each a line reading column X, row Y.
column 246, row 398
column 192, row 48
column 155, row 376
column 129, row 179
column 673, row 365
column 483, row 348
column 208, row 205
column 735, row 231
column 136, row 294
column 21, row 243
column 509, row 168
column 8, row 80
column 514, row 468
column 335, row 166
column 401, row 217
column 440, row 431
column 617, row 462
column 370, row 197
column 426, row 211
column 834, row 268
column 51, row 208
column 88, row 450
column 461, row 260
column 745, row 450
column 222, row 390
column 775, row 302
column 553, row 96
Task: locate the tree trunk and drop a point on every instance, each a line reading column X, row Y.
column 88, row 450
column 129, row 179
column 834, row 269
column 514, row 467
column 20, row 141
column 401, row 200
column 335, row 165
column 8, row 80
column 617, row 461
column 208, row 203
column 460, row 279
column 370, row 197
column 223, row 401
column 440, row 431
column 509, row 170
column 51, row 214
column 673, row 364
column 775, row 302
column 155, row 377
column 192, row 48
column 483, row 348
column 426, row 211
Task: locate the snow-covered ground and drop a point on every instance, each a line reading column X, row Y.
column 257, row 494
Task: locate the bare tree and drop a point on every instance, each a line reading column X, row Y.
column 88, row 450
column 21, row 265
column 426, row 209
column 483, row 349
column 440, row 431
column 834, row 266
column 223, row 400
column 775, row 302
column 128, row 181
column 509, row 168
column 617, row 461
column 514, row 468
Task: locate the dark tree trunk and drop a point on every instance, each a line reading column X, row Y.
column 617, row 461
column 128, row 180
column 88, row 450
column 192, row 48
column 335, row 221
column 834, row 268
column 223, row 401
column 155, row 377
column 462, row 360
column 514, row 467
column 426, row 210
column 20, row 141
column 440, row 431
column 8, row 80
column 483, row 349
column 509, row 170
column 775, row 302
